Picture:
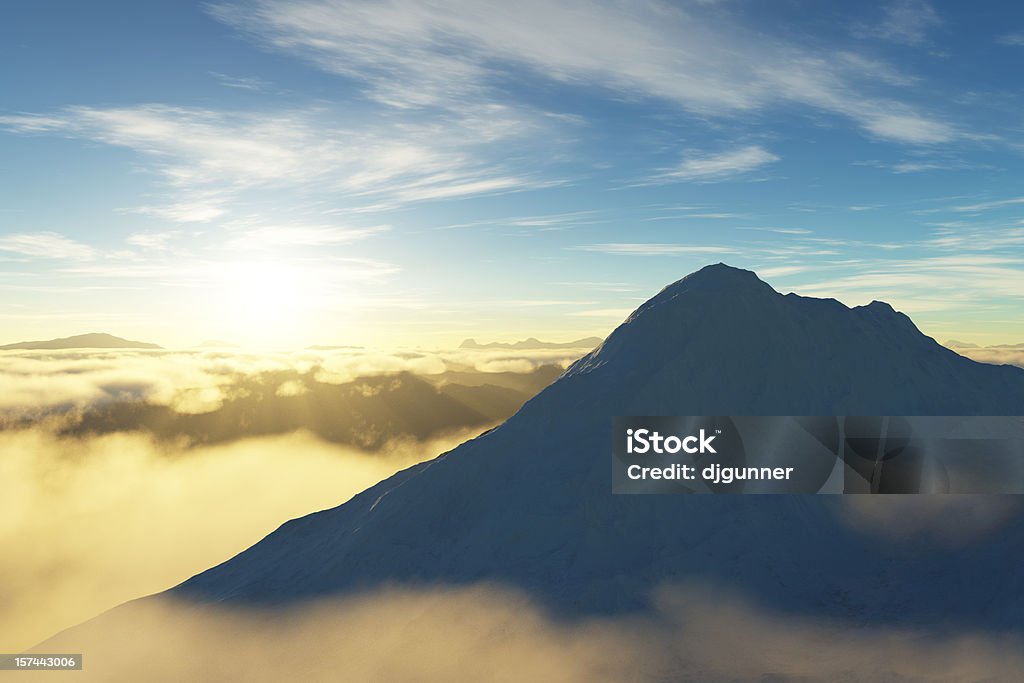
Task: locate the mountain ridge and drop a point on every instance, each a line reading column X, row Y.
column 532, row 343
column 89, row 340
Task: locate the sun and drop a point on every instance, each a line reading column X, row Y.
column 263, row 302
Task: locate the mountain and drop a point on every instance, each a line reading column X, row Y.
column 92, row 340
column 533, row 343
column 954, row 344
column 529, row 504
column 530, row 501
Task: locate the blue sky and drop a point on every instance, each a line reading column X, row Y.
column 288, row 173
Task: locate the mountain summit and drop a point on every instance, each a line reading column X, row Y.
column 719, row 276
column 722, row 342
column 529, row 503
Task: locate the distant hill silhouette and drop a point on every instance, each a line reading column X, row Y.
column 954, row 344
column 533, row 343
column 92, row 340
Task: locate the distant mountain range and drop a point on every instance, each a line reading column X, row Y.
column 529, row 503
column 954, row 344
column 533, row 343
column 92, row 340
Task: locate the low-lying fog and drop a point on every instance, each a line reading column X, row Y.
column 126, row 472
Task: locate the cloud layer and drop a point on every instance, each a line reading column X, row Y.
column 100, row 521
column 141, row 468
column 201, row 381
column 486, row 632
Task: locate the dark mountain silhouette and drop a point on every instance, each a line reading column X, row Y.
column 529, row 503
column 533, row 343
column 92, row 340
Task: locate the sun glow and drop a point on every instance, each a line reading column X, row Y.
column 265, row 302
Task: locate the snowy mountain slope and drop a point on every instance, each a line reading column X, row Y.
column 529, row 503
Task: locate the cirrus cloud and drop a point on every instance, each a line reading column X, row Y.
column 413, row 54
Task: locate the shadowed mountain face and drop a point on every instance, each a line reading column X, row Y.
column 366, row 413
column 529, row 503
column 93, row 340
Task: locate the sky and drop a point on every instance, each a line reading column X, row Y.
column 283, row 173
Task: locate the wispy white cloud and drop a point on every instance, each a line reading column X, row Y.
column 193, row 146
column 903, row 21
column 152, row 240
column 917, row 167
column 723, row 165
column 416, row 54
column 297, row 235
column 780, row 231
column 188, row 210
column 613, row 313
column 1015, row 39
column 434, row 187
column 929, row 284
column 905, row 125
column 985, row 206
column 923, row 163
column 694, row 216
column 780, row 271
column 977, row 236
column 540, row 222
column 208, row 158
column 614, row 287
column 644, row 249
column 46, row 245
column 241, row 82
column 206, row 273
